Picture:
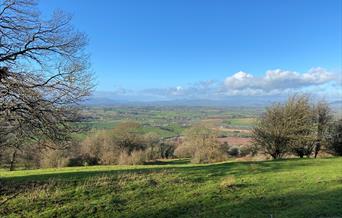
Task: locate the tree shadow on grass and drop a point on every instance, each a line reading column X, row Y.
column 216, row 203
column 321, row 205
column 214, row 170
column 169, row 162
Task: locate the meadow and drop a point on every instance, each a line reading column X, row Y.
column 175, row 188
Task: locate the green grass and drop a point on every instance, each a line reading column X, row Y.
column 169, row 131
column 241, row 122
column 102, row 124
column 166, row 131
column 286, row 188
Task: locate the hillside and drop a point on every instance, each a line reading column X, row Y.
column 286, row 188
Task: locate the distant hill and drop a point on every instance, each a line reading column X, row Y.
column 227, row 102
column 336, row 104
column 231, row 101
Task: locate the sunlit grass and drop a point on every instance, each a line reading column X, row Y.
column 287, row 188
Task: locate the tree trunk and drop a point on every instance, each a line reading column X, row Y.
column 12, row 163
column 317, row 148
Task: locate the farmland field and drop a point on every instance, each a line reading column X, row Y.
column 171, row 121
column 175, row 188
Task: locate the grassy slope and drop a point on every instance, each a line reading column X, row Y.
column 288, row 188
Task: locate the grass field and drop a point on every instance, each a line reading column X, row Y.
column 286, row 188
column 241, row 122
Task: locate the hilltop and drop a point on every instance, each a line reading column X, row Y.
column 285, row 188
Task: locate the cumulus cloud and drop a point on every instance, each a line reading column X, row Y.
column 272, row 83
column 277, row 80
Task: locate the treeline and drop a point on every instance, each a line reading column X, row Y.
column 124, row 145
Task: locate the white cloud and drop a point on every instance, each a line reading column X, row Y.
column 272, row 83
column 277, row 80
column 239, row 80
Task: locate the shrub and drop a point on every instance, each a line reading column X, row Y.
column 134, row 158
column 152, row 146
column 246, row 150
column 83, row 160
column 294, row 126
column 184, row 151
column 200, row 143
column 53, row 158
column 208, row 155
column 270, row 134
column 334, row 138
column 234, row 151
column 100, row 148
column 167, row 150
column 121, row 145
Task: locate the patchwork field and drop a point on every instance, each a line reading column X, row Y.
column 235, row 140
column 286, row 188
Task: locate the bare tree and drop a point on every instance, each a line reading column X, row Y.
column 299, row 113
column 44, row 72
column 271, row 133
column 334, row 138
column 200, row 141
column 127, row 137
column 297, row 126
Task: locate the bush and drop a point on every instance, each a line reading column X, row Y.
column 334, row 138
column 167, row 150
column 136, row 157
column 294, row 126
column 246, row 150
column 269, row 134
column 98, row 148
column 208, row 155
column 184, row 151
column 83, row 160
column 200, row 143
column 234, row 151
column 53, row 158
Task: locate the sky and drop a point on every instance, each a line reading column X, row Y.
column 210, row 49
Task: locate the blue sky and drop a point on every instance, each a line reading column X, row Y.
column 210, row 48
